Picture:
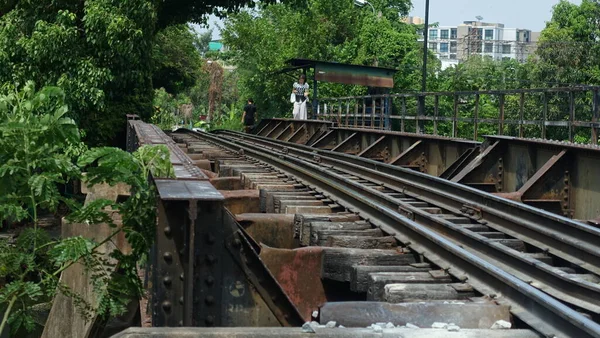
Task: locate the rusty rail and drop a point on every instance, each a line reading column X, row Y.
column 408, row 225
column 550, row 175
column 550, row 113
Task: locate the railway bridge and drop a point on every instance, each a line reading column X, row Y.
column 339, row 227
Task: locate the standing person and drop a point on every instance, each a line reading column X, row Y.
column 301, row 92
column 249, row 116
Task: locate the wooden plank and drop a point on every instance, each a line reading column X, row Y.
column 339, row 262
column 398, row 293
column 320, row 237
column 378, row 281
column 359, row 279
column 387, row 242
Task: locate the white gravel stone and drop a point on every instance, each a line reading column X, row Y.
column 330, row 324
column 501, row 325
column 390, row 326
column 307, row 328
column 453, row 328
column 341, row 327
column 411, row 326
column 438, row 325
column 315, row 314
column 377, row 328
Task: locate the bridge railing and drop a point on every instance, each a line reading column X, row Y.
column 569, row 114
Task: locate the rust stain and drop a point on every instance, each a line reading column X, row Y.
column 513, row 196
column 298, row 272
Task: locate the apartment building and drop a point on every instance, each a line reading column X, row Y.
column 453, row 44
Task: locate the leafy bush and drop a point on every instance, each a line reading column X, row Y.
column 38, row 146
column 230, row 118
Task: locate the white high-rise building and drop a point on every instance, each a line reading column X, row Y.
column 453, row 44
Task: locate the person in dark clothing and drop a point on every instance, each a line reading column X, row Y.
column 249, row 116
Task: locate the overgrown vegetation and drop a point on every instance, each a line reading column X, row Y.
column 261, row 41
column 101, row 54
column 39, row 146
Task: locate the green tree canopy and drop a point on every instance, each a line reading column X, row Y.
column 568, row 50
column 323, row 30
column 100, row 53
column 176, row 59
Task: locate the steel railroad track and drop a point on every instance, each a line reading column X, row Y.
column 456, row 228
column 566, row 250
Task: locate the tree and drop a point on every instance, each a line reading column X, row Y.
column 323, row 30
column 568, row 51
column 99, row 52
column 38, row 146
column 202, row 41
column 176, row 59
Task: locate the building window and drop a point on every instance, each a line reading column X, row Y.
column 433, row 34
column 433, row 46
column 489, row 34
column 444, row 34
column 453, row 56
column 444, row 47
column 489, row 48
column 453, row 47
column 480, row 33
column 505, row 49
column 453, row 34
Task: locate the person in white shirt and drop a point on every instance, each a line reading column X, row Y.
column 300, row 91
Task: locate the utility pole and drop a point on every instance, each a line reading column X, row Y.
column 420, row 126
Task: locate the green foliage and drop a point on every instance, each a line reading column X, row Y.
column 176, row 58
column 101, row 54
column 568, row 49
column 35, row 137
column 37, row 148
column 230, row 119
column 322, row 30
column 97, row 51
column 165, row 107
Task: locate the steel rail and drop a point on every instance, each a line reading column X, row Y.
column 539, row 310
column 574, row 241
column 555, row 282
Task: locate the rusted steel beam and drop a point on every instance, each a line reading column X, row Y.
column 226, row 183
column 548, row 188
column 349, row 145
column 327, row 141
column 485, row 171
column 299, row 274
column 464, row 159
column 201, row 251
column 527, row 163
column 241, row 201
column 413, row 157
column 299, row 136
column 276, row 129
column 274, row 230
column 286, row 132
column 376, row 150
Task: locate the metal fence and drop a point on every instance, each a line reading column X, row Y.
column 550, row 113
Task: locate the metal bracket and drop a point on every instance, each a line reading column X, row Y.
column 406, row 212
column 263, row 281
column 472, row 211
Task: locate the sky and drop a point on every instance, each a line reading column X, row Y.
column 525, row 14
